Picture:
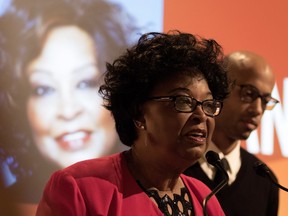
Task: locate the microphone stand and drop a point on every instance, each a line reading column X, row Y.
column 263, row 170
column 213, row 159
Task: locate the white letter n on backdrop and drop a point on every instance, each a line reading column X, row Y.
column 278, row 119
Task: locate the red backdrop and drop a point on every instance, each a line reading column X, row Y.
column 259, row 26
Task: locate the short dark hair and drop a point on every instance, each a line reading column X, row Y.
column 157, row 56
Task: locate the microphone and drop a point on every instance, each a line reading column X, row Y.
column 263, row 170
column 213, row 159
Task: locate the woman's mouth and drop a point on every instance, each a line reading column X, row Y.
column 73, row 141
column 197, row 136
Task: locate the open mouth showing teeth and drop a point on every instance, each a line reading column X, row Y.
column 73, row 141
column 197, row 136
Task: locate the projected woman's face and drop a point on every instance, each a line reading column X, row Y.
column 64, row 109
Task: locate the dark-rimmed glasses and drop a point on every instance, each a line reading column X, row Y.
column 187, row 104
column 249, row 93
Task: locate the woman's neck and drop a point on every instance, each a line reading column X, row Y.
column 151, row 175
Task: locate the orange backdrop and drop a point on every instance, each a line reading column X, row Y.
column 259, row 26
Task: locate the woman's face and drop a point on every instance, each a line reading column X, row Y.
column 64, row 109
column 175, row 136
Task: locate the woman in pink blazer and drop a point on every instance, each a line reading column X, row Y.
column 163, row 93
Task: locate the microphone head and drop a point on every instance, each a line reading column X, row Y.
column 261, row 169
column 212, row 158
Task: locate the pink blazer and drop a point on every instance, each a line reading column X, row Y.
column 104, row 186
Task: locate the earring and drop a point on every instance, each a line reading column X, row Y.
column 139, row 125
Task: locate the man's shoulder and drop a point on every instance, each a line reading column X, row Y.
column 251, row 159
column 247, row 155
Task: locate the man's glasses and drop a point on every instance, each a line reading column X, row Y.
column 249, row 93
column 186, row 104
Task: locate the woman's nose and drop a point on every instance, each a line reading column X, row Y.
column 69, row 107
column 199, row 113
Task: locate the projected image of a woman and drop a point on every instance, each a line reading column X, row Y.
column 53, row 54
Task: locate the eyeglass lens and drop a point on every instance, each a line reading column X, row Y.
column 249, row 94
column 187, row 104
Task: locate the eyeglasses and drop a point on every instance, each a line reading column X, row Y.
column 186, row 104
column 249, row 93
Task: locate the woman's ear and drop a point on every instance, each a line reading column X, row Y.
column 139, row 124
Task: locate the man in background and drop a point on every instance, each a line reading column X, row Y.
column 246, row 193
